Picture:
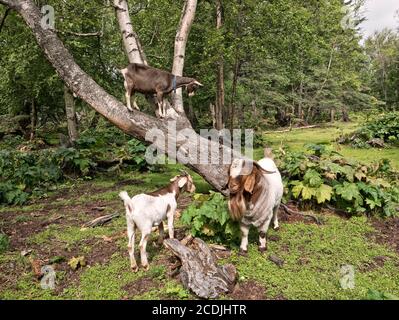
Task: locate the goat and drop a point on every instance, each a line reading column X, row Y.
column 148, row 80
column 146, row 210
column 256, row 190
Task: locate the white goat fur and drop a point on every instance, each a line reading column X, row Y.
column 265, row 208
column 145, row 211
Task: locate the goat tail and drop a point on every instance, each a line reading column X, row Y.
column 127, row 200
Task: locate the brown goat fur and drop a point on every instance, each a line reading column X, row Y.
column 244, row 190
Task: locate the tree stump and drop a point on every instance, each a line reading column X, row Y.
column 199, row 271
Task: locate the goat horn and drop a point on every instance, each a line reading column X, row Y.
column 199, row 84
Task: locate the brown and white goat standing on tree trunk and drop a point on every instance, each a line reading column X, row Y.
column 256, row 190
column 148, row 80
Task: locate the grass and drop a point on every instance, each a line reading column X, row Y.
column 296, row 139
column 313, row 256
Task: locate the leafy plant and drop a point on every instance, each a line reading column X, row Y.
column 24, row 173
column 4, row 243
column 377, row 295
column 322, row 175
column 208, row 217
column 384, row 129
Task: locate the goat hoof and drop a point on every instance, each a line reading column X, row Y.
column 135, row 269
column 146, row 267
column 262, row 249
column 276, row 228
column 243, row 253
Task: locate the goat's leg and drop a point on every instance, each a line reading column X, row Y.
column 171, row 230
column 276, row 226
column 143, row 250
column 128, row 93
column 130, row 233
column 244, row 239
column 160, row 104
column 161, row 233
column 134, row 100
column 262, row 233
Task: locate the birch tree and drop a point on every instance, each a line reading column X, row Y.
column 136, row 123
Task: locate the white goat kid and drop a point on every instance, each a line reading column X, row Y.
column 144, row 211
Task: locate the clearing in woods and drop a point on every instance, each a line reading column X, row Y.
column 312, row 255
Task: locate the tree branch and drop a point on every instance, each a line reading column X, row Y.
column 186, row 21
column 82, row 34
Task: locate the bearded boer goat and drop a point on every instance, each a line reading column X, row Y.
column 256, row 190
column 148, row 80
column 145, row 211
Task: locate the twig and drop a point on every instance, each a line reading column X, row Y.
column 100, row 221
column 290, row 211
column 82, row 34
column 290, row 129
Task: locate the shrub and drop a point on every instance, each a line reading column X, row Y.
column 321, row 175
column 24, row 173
column 384, row 129
column 209, row 218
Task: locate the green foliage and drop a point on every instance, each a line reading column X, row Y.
column 323, row 176
column 4, row 243
column 378, row 295
column 384, row 128
column 209, row 217
column 26, row 173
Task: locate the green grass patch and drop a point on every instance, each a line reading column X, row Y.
column 313, row 258
column 296, row 139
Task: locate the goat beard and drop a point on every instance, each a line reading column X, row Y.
column 237, row 204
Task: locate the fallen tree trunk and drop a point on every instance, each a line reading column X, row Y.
column 290, row 129
column 199, row 271
column 136, row 123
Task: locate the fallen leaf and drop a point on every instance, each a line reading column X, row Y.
column 107, row 239
column 24, row 253
column 36, row 267
column 75, row 263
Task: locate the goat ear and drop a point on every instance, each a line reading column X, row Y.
column 249, row 183
column 173, row 179
column 182, row 182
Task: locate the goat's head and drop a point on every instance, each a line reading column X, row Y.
column 185, row 182
column 192, row 86
column 243, row 179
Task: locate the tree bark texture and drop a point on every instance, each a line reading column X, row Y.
column 72, row 122
column 186, row 21
column 220, row 73
column 130, row 40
